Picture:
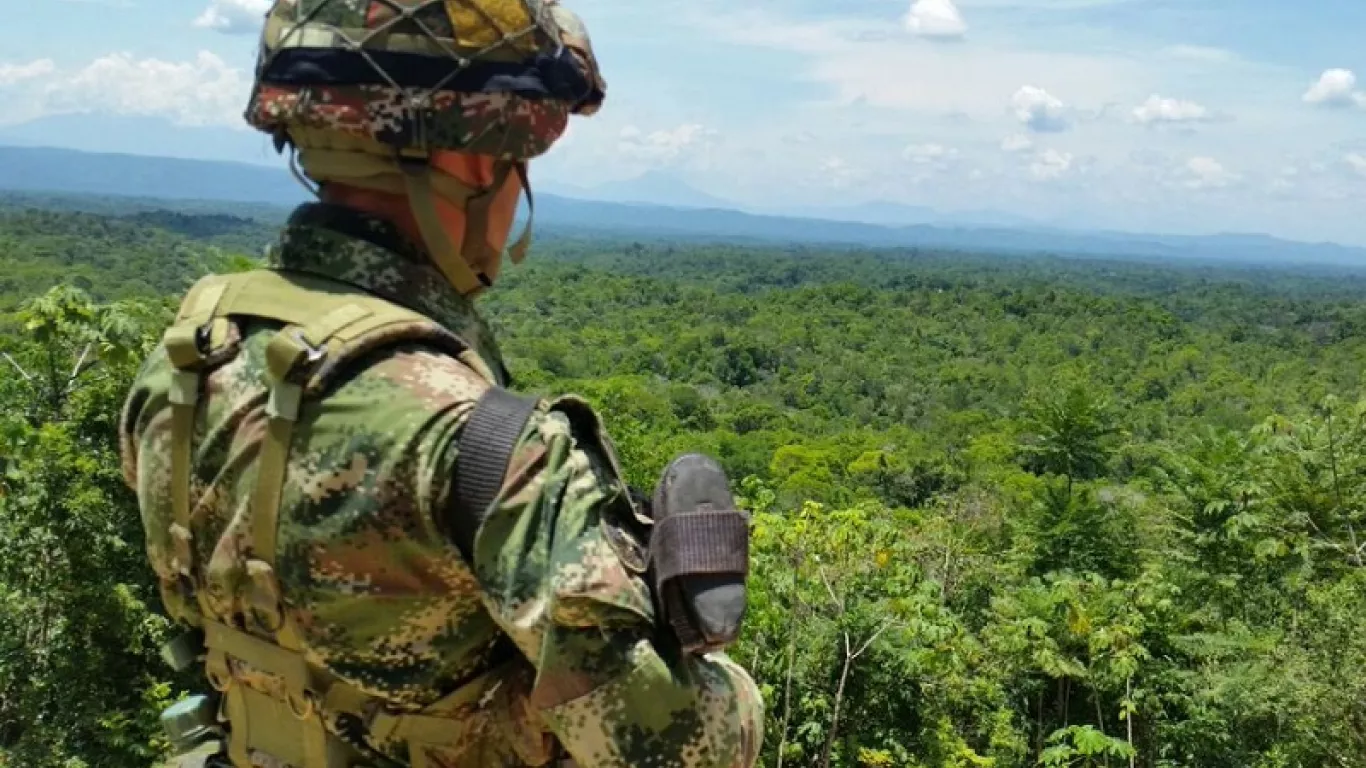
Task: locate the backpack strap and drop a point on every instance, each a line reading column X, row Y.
column 323, row 329
column 185, row 343
column 326, row 324
column 485, row 450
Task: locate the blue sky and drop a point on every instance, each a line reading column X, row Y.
column 1149, row 115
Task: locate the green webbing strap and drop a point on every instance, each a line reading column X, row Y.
column 264, row 655
column 261, row 723
column 423, row 201
column 290, row 729
column 292, row 347
column 299, row 298
column 270, row 480
column 321, row 318
column 200, row 306
column 485, row 450
column 182, row 348
column 517, row 253
column 289, row 353
column 477, row 218
column 443, row 723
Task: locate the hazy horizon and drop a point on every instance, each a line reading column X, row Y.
column 1174, row 116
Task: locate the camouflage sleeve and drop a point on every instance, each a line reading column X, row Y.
column 560, row 572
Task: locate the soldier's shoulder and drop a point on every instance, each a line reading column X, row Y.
column 413, row 377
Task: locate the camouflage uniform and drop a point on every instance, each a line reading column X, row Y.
column 382, row 598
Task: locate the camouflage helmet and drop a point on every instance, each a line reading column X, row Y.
column 489, row 77
column 372, row 92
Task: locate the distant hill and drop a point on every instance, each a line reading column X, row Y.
column 874, row 212
column 890, row 214
column 651, row 188
column 37, row 171
column 140, row 135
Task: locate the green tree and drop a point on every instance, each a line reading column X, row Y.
column 80, row 681
column 1070, row 428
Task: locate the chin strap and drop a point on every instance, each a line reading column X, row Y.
column 412, row 175
column 455, row 264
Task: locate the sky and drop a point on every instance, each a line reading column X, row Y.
column 1187, row 116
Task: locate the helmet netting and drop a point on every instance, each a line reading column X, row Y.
column 423, row 17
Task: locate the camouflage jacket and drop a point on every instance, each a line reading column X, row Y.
column 384, row 600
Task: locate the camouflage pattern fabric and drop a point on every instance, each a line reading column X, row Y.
column 383, row 601
column 500, row 125
column 490, row 77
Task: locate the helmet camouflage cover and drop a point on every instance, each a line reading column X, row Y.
column 490, row 77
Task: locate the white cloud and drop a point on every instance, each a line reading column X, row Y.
column 929, row 154
column 1335, row 88
column 841, row 70
column 234, row 17
column 834, row 164
column 663, row 147
column 202, row 91
column 935, row 18
column 1207, row 173
column 1050, row 164
column 1357, row 162
column 18, row 73
column 852, row 57
column 1158, row 109
column 1039, row 110
column 836, row 172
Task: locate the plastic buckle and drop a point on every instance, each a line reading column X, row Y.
column 264, row 601
column 182, row 552
column 285, row 398
column 288, row 351
column 184, row 388
column 182, row 652
column 312, row 354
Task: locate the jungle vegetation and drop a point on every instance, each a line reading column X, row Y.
column 1008, row 511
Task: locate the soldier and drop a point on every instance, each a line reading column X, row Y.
column 387, row 558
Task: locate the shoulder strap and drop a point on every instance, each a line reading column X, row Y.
column 182, row 344
column 326, row 323
column 486, row 445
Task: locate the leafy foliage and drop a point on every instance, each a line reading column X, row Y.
column 79, row 682
column 1007, row 511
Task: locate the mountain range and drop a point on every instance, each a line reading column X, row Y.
column 660, row 205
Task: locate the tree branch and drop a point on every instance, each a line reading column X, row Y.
column 830, row 588
column 17, row 367
column 76, row 370
column 82, row 365
column 886, row 625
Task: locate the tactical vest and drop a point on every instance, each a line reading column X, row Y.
column 294, row 716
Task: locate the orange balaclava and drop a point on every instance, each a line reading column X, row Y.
column 460, row 206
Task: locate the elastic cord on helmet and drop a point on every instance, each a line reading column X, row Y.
column 298, row 174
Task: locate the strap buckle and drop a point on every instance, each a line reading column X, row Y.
column 312, row 354
column 289, row 350
column 284, row 401
column 184, row 388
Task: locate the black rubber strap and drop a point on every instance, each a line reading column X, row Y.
column 485, row 449
column 706, row 541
